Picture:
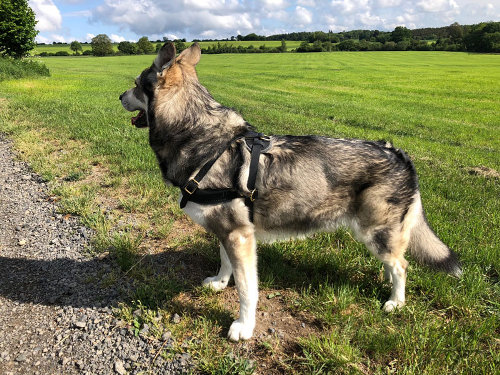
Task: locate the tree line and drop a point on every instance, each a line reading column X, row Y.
column 101, row 45
column 482, row 37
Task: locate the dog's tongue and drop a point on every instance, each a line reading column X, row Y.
column 135, row 118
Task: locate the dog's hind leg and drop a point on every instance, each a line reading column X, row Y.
column 397, row 269
column 220, row 281
column 389, row 245
column 241, row 249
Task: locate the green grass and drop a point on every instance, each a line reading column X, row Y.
column 442, row 108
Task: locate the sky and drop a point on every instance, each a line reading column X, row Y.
column 68, row 20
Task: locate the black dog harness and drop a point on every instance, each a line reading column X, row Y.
column 256, row 142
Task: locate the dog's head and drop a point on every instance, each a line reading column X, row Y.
column 166, row 73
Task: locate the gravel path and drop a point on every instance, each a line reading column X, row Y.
column 56, row 317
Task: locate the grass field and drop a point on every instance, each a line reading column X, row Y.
column 53, row 48
column 323, row 295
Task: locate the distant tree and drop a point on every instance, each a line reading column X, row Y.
column 456, row 32
column 282, row 48
column 327, row 46
column 101, row 45
column 145, row 46
column 180, row 45
column 304, row 46
column 75, row 46
column 317, row 46
column 128, row 48
column 253, row 36
column 17, row 28
column 401, row 33
column 334, row 39
column 158, row 47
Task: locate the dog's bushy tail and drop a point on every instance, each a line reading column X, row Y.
column 427, row 248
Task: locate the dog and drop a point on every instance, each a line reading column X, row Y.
column 305, row 184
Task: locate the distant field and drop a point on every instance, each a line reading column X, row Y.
column 53, row 48
column 326, row 292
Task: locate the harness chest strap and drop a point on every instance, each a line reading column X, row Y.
column 191, row 192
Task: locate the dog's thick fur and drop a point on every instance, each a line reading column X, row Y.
column 306, row 184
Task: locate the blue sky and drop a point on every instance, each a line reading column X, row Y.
column 68, row 20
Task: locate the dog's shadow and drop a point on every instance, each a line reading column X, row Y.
column 102, row 282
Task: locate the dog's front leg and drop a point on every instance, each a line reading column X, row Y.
column 240, row 246
column 220, row 281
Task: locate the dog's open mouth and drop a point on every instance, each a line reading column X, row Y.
column 140, row 120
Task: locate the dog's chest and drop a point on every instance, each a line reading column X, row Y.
column 196, row 212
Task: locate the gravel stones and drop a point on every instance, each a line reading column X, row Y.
column 56, row 314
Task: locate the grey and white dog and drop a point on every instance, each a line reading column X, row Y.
column 306, row 184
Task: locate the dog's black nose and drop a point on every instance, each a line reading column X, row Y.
column 121, row 95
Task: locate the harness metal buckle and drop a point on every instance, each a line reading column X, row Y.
column 253, row 195
column 265, row 138
column 186, row 188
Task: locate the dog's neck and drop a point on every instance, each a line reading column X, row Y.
column 188, row 131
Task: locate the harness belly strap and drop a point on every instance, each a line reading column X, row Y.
column 256, row 142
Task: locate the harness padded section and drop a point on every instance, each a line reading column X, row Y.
column 256, row 143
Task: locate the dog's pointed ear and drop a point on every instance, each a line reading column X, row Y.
column 165, row 57
column 191, row 55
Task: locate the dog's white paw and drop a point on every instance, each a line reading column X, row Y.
column 239, row 330
column 215, row 283
column 390, row 305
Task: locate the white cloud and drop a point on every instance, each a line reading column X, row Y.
column 370, row 20
column 89, row 37
column 433, row 6
column 306, row 3
column 211, row 4
column 116, row 38
column 58, row 38
column 273, row 4
column 351, row 6
column 388, row 3
column 42, row 39
column 47, row 14
column 278, row 15
column 304, row 16
column 148, row 17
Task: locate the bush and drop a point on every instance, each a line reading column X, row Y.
column 62, row 53
column 127, row 48
column 348, row 45
column 389, row 46
column 11, row 69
